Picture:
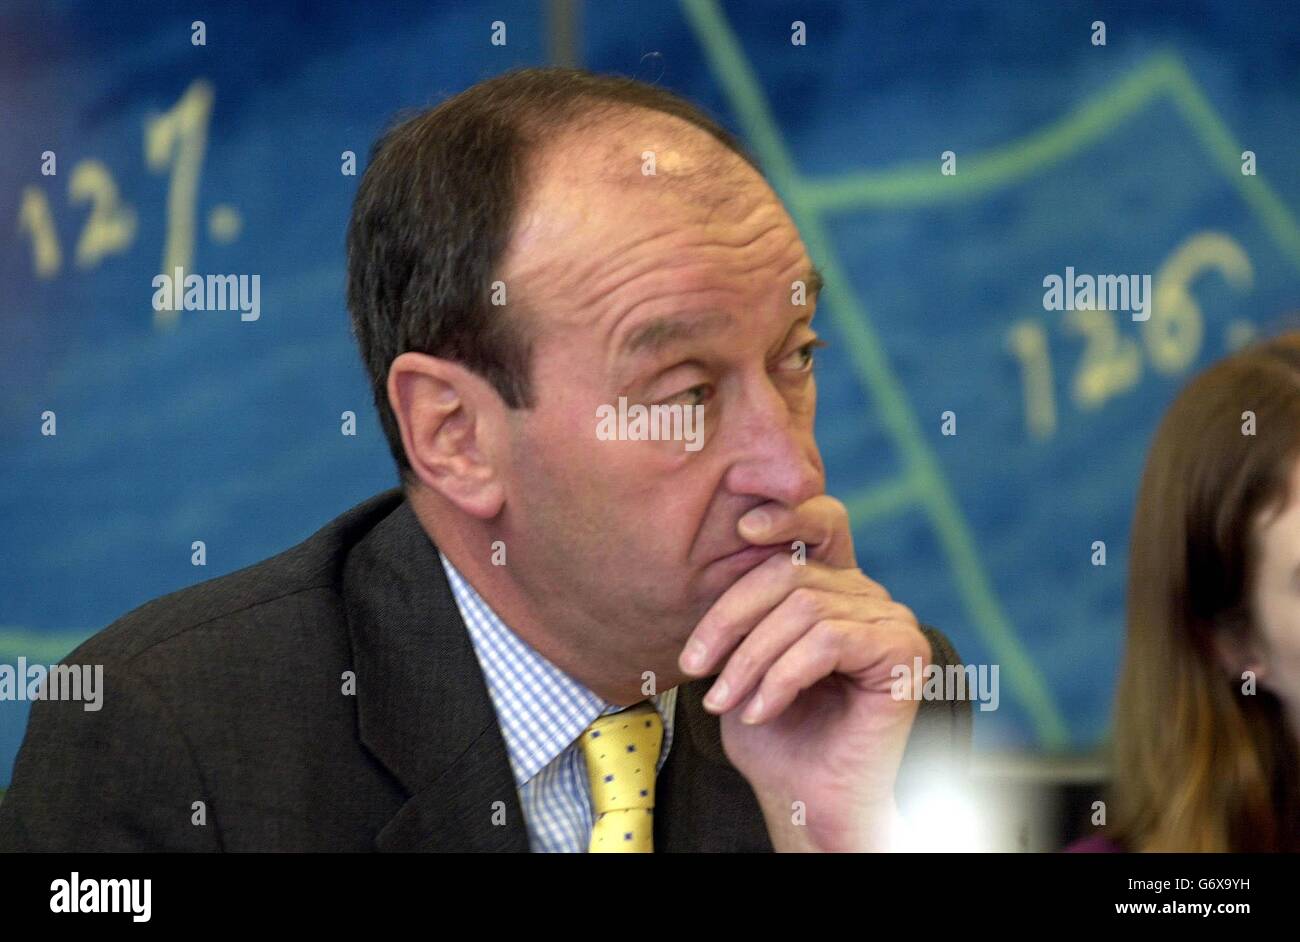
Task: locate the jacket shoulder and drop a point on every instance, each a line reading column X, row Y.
column 315, row 563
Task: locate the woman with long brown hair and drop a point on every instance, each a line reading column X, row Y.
column 1207, row 713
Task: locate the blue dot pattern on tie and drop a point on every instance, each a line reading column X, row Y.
column 622, row 751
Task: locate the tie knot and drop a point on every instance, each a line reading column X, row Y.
column 622, row 753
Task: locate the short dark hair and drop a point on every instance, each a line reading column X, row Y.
column 435, row 209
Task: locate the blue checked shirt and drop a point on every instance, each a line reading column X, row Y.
column 542, row 711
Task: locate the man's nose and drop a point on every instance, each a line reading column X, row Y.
column 776, row 453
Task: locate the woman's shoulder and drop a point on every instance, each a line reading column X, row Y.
column 1096, row 844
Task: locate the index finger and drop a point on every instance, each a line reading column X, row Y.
column 821, row 522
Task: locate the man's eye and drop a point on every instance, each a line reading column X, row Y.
column 696, row 395
column 803, row 357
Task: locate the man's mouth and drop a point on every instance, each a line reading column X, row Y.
column 748, row 557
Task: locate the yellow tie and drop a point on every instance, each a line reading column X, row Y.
column 622, row 753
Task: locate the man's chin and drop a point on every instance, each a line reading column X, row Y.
column 712, row 580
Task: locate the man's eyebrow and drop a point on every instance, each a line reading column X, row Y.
column 814, row 282
column 654, row 335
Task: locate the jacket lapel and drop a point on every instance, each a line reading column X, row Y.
column 423, row 707
column 702, row 804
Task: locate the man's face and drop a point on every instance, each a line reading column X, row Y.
column 638, row 533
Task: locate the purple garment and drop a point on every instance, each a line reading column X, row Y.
column 1094, row 845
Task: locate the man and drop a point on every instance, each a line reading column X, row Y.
column 435, row 670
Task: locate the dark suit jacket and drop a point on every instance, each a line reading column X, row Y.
column 229, row 693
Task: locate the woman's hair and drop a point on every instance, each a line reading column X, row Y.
column 1200, row 765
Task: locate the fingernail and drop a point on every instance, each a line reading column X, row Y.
column 694, row 657
column 755, row 521
column 755, row 707
column 717, row 695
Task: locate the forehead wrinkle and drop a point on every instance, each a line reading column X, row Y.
column 619, row 276
column 655, row 335
column 649, row 266
column 673, row 294
column 595, row 281
column 682, row 319
column 606, row 272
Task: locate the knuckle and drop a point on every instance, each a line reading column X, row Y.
column 711, row 631
column 904, row 614
column 924, row 647
column 837, row 507
column 871, row 586
column 831, row 634
column 808, row 602
column 778, row 678
column 911, row 644
column 878, row 588
column 741, row 664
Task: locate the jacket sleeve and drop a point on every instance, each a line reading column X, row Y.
column 120, row 778
column 938, row 750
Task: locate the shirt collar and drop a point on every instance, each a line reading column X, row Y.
column 541, row 709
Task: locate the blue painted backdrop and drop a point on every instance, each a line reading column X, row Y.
column 1118, row 158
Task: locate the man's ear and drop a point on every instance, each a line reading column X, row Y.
column 453, row 429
